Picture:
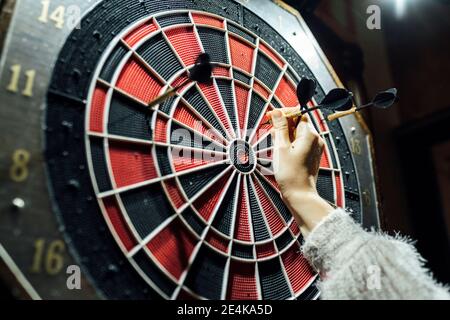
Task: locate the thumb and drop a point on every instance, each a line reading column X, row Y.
column 281, row 129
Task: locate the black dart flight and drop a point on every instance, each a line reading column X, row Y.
column 382, row 100
column 201, row 72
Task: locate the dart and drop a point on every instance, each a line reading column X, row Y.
column 382, row 100
column 338, row 99
column 201, row 73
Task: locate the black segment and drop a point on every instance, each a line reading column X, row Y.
column 166, row 106
column 242, row 251
column 260, row 231
column 283, row 240
column 273, row 283
column 257, row 105
column 345, row 159
column 291, row 75
column 129, row 118
column 110, row 67
column 214, row 44
column 265, row 143
column 244, row 34
column 153, row 273
column 177, row 18
column 196, row 100
column 99, row 164
column 325, row 185
column 207, row 273
column 158, row 54
column 266, row 71
column 193, row 220
column 224, row 215
column 226, row 91
column 147, row 208
column 193, row 182
column 163, row 160
column 241, row 77
column 353, row 204
column 275, row 103
column 310, row 293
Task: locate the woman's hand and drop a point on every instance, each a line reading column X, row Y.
column 296, row 163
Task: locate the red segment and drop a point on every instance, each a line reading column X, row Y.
column 294, row 228
column 186, row 116
column 286, row 92
column 131, row 163
column 272, row 181
column 272, row 216
column 184, row 295
column 339, row 197
column 242, row 281
column 119, row 223
column 211, row 94
column 261, row 90
column 221, row 72
column 174, row 193
column 297, row 268
column 324, row 162
column 271, row 54
column 173, row 247
column 242, row 228
column 181, row 80
column 184, row 159
column 139, row 33
column 185, row 43
column 265, row 250
column 208, row 20
column 97, row 109
column 217, row 241
column 160, row 130
column 241, row 54
column 136, row 81
column 241, row 104
column 209, row 199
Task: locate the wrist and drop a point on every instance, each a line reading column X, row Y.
column 307, row 207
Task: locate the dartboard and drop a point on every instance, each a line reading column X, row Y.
column 179, row 201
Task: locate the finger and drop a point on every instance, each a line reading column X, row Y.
column 281, row 129
column 303, row 126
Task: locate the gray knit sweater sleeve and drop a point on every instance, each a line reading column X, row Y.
column 356, row 264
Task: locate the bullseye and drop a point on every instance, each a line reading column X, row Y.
column 242, row 156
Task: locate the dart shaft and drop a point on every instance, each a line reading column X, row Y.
column 167, row 95
column 341, row 114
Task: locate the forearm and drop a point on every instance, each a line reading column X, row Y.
column 308, row 209
column 355, row 264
